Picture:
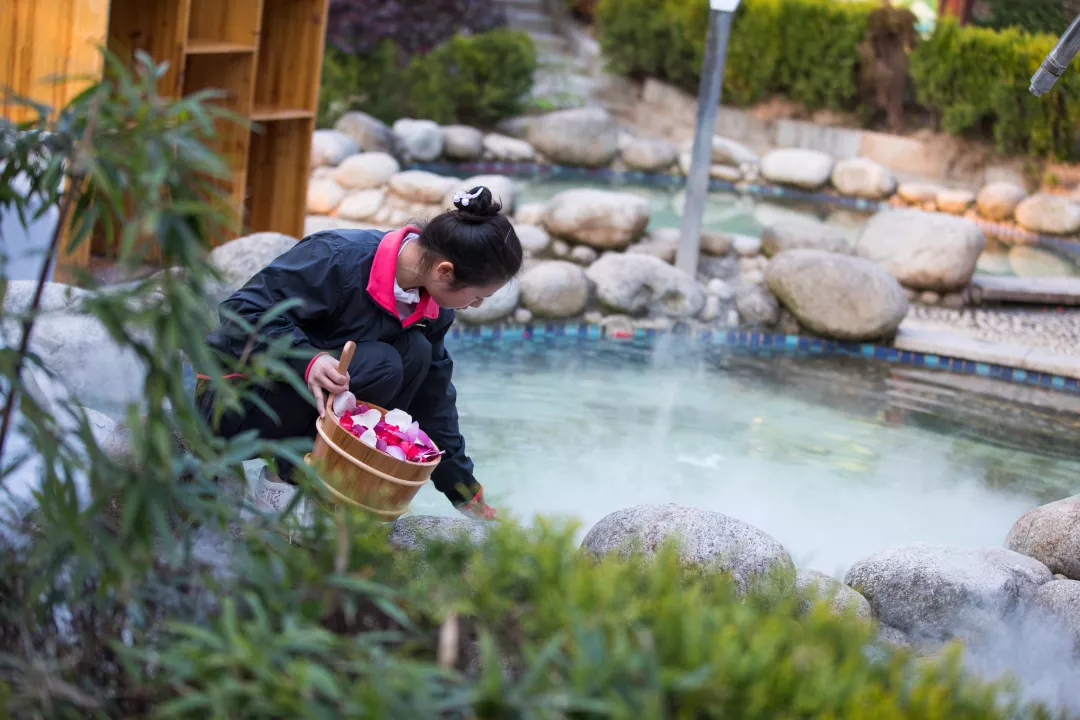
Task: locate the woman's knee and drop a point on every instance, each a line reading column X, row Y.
column 415, row 350
column 376, row 373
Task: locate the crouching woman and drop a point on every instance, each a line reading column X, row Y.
column 394, row 295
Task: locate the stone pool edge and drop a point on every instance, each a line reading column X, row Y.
column 932, row 350
column 761, row 190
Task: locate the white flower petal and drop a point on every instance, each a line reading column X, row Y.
column 344, row 403
column 369, row 438
column 369, row 419
column 399, row 419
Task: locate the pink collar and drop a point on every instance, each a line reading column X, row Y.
column 383, row 274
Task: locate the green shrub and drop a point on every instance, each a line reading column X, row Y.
column 805, row 49
column 1037, row 16
column 474, row 79
column 976, row 80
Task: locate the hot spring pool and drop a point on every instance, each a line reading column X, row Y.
column 835, row 458
column 744, row 215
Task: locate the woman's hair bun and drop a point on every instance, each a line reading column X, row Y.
column 478, row 204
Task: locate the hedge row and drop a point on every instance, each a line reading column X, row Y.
column 974, row 80
column 473, row 79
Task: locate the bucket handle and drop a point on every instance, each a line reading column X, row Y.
column 343, row 362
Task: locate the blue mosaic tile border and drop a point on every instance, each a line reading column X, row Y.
column 765, row 344
column 536, row 171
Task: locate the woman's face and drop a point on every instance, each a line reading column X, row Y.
column 442, row 291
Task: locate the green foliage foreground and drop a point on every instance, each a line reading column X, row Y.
column 106, row 611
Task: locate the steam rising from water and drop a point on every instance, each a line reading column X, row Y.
column 811, row 460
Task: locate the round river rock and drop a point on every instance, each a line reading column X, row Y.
column 839, row 296
column 554, row 289
column 706, row 539
column 1051, row 535
column 603, row 219
column 924, row 251
column 933, row 592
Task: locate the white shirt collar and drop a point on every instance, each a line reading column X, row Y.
column 408, row 297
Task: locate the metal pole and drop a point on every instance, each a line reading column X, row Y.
column 697, row 182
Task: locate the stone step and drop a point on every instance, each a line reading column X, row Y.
column 1034, row 291
column 530, row 21
column 550, row 43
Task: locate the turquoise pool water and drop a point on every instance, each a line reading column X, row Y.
column 834, row 458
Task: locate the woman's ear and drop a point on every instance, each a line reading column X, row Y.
column 444, row 271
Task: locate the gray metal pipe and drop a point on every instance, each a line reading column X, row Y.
column 1057, row 61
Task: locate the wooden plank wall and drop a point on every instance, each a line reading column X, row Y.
column 42, row 39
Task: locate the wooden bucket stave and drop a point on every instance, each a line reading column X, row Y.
column 360, row 476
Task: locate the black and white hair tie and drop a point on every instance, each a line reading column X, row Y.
column 462, row 200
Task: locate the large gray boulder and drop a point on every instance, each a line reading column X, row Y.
column 369, row 133
column 636, row 284
column 838, row 296
column 324, row 196
column 924, row 251
column 998, row 200
column 494, row 308
column 534, row 239
column 603, row 219
column 861, row 177
column 797, row 235
column 1060, row 600
column 726, row 151
column 649, row 155
column 554, row 289
column 707, row 539
column 582, row 136
column 415, row 532
column 933, row 593
column 420, row 186
column 812, row 587
column 501, row 148
column 80, row 352
column 54, row 297
column 1051, row 214
column 420, row 140
column 330, row 147
column 366, row 170
column 807, row 169
column 461, row 142
column 238, row 260
column 1051, row 535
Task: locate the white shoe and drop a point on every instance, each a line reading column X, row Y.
column 273, row 496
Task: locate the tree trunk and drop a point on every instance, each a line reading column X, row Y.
column 959, row 9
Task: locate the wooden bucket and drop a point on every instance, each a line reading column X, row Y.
column 361, row 477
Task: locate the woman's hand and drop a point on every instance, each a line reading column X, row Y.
column 323, row 377
column 477, row 508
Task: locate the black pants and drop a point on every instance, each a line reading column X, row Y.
column 386, row 374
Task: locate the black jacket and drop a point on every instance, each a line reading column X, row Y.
column 346, row 284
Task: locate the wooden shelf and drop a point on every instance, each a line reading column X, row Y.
column 266, row 114
column 199, row 46
column 227, row 22
column 277, row 177
column 290, row 54
column 265, row 55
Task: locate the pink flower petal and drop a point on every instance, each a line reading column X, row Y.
column 396, row 452
column 413, row 432
column 423, row 438
column 380, row 445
